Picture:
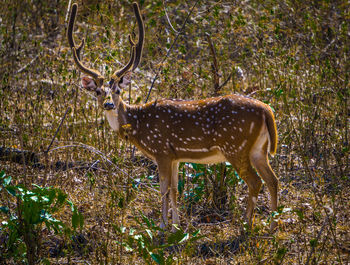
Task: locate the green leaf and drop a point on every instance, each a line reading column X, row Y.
column 157, row 258
column 11, row 190
column 313, row 242
column 185, row 238
column 149, row 232
column 4, row 209
column 75, row 219
column 7, row 180
column 132, row 231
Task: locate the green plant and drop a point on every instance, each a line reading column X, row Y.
column 209, row 181
column 143, row 240
column 34, row 207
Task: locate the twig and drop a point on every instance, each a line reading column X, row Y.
column 58, row 128
column 226, row 81
column 215, row 66
column 68, row 9
column 167, row 17
column 28, row 64
column 171, row 47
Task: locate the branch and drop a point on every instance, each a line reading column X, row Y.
column 215, row 66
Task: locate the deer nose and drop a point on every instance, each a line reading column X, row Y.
column 108, row 105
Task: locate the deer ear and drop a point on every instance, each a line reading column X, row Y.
column 125, row 81
column 88, row 83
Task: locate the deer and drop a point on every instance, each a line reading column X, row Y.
column 230, row 128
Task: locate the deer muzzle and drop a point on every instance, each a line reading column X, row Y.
column 108, row 105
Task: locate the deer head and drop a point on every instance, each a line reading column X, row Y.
column 108, row 95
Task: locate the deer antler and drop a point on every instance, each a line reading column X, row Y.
column 136, row 48
column 96, row 75
column 141, row 26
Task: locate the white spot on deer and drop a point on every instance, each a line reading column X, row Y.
column 197, row 123
column 167, row 126
column 147, row 125
column 135, row 116
column 129, row 114
column 225, row 129
column 157, row 116
column 251, row 127
column 149, row 114
column 232, row 137
column 240, row 129
column 243, row 121
column 148, row 138
column 182, row 129
column 134, row 132
column 169, row 110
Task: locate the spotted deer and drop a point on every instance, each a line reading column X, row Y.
column 231, row 128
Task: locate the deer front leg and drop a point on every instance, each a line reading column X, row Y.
column 164, row 190
column 165, row 171
column 173, row 195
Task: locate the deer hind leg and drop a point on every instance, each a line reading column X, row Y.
column 248, row 174
column 164, row 181
column 259, row 161
column 173, row 194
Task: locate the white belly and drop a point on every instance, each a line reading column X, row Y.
column 211, row 158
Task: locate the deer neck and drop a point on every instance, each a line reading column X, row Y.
column 117, row 118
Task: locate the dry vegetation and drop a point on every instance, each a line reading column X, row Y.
column 295, row 55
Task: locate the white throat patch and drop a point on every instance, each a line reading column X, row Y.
column 112, row 118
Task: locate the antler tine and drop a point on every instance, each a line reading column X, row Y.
column 76, row 51
column 141, row 26
column 121, row 72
